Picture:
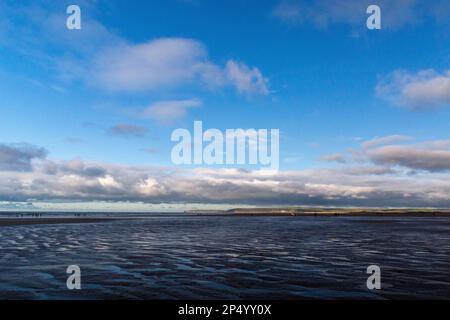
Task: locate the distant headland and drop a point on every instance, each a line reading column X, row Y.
column 325, row 212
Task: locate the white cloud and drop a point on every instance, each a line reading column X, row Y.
column 109, row 182
column 150, row 188
column 167, row 112
column 247, row 80
column 169, row 63
column 103, row 59
column 395, row 14
column 424, row 90
column 149, row 66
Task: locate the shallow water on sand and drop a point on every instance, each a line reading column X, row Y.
column 183, row 257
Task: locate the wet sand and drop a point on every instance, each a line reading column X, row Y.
column 34, row 221
column 192, row 258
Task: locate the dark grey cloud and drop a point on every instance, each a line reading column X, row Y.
column 425, row 90
column 397, row 152
column 412, row 157
column 128, row 130
column 369, row 170
column 18, row 157
column 74, row 167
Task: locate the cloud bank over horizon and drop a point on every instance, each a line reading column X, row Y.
column 383, row 172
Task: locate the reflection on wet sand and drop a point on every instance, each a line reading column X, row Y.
column 228, row 258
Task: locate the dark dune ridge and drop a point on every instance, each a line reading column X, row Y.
column 352, row 212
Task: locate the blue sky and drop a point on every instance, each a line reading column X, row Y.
column 111, row 93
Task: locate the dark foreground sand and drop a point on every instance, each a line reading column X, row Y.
column 34, row 221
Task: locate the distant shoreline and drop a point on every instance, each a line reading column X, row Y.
column 325, row 212
column 38, row 219
column 11, row 222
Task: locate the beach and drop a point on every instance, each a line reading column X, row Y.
column 223, row 257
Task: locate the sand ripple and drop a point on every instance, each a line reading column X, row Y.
column 228, row 258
